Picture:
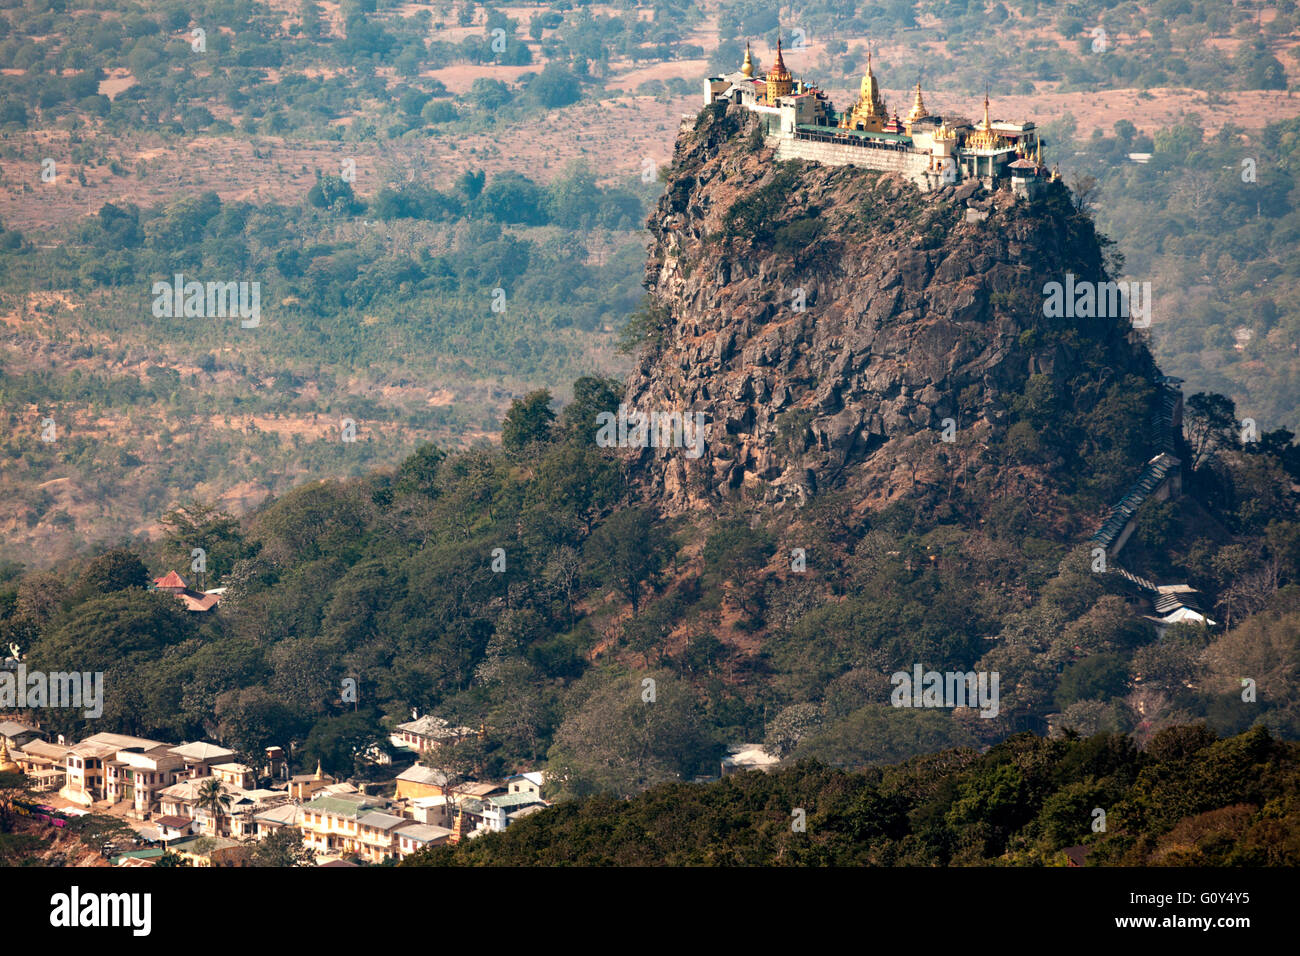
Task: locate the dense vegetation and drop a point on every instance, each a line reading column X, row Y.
column 527, row 591
column 1162, row 44
column 1211, row 222
column 489, row 282
column 1187, row 800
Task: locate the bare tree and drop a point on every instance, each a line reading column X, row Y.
column 1249, row 592
column 1086, row 192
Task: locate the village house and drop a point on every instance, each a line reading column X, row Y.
column 747, row 757
column 304, row 786
column 138, row 858
column 530, row 783
column 244, row 808
column 45, row 764
column 418, row 781
column 206, row 850
column 426, row 796
column 174, row 828
column 479, row 789
column 199, row 757
column 136, row 777
column 276, row 762
column 330, row 823
column 499, row 811
column 428, row 733
column 429, row 810
column 376, row 838
column 362, row 826
column 285, row 815
column 17, row 734
column 235, row 774
column 86, row 773
column 182, row 798
column 416, row 836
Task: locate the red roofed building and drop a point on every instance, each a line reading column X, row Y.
column 173, row 583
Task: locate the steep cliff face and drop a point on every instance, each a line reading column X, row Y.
column 828, row 320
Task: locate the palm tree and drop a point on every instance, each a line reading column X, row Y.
column 214, row 800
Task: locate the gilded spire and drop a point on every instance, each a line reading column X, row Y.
column 984, row 138
column 319, row 775
column 779, row 67
column 7, row 765
column 869, row 112
column 748, row 66
column 918, row 110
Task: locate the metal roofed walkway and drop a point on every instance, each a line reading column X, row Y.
column 1152, row 476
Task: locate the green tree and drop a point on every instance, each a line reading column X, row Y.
column 282, row 847
column 592, row 395
column 13, row 787
column 200, row 524
column 628, row 551
column 213, row 800
column 418, row 473
column 735, row 552
column 622, row 738
column 114, row 570
column 470, row 183
column 554, row 87
column 336, row 741
column 1210, row 422
column 528, row 421
column 334, row 193
column 1099, row 677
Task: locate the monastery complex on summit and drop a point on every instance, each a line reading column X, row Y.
column 801, row 123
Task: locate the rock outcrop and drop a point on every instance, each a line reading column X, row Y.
column 831, row 321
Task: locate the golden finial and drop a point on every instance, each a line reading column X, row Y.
column 319, row 775
column 748, row 67
column 779, row 67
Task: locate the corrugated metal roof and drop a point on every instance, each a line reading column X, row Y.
column 1155, row 472
column 859, row 133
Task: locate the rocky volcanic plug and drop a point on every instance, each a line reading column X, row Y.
column 916, row 308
